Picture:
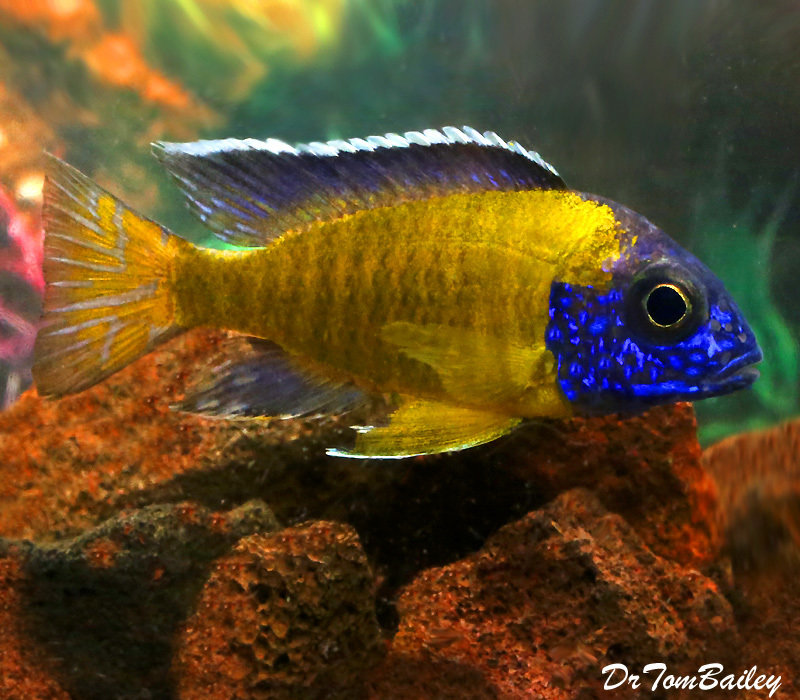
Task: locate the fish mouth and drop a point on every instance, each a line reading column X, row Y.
column 735, row 381
column 751, row 358
column 737, row 374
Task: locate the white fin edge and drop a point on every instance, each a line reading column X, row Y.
column 428, row 137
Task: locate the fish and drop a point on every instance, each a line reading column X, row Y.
column 448, row 269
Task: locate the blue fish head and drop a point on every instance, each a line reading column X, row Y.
column 665, row 330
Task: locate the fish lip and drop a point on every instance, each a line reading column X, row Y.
column 726, row 385
column 739, row 373
column 744, row 362
column 740, row 380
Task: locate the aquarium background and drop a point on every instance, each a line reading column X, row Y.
column 686, row 111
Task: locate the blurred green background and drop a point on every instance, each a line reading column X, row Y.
column 686, row 111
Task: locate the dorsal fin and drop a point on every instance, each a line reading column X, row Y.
column 249, row 191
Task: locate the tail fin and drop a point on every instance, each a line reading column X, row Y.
column 108, row 299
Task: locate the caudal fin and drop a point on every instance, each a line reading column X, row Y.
column 108, row 299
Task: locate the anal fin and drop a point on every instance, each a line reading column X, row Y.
column 422, row 427
column 256, row 378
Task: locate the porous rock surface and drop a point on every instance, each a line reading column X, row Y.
column 758, row 475
column 286, row 615
column 645, row 468
column 99, row 611
column 25, row 670
column 546, row 603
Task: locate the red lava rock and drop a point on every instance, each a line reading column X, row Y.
column 63, row 462
column 102, row 609
column 25, row 671
column 69, row 464
column 646, row 468
column 288, row 615
column 758, row 476
column 548, row 602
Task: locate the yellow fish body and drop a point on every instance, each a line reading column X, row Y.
column 438, row 289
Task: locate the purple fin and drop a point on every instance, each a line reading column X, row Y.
column 258, row 379
column 249, row 191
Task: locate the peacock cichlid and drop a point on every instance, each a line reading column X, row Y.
column 449, row 268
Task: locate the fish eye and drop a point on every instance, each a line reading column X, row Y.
column 667, row 305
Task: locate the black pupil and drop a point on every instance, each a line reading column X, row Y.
column 665, row 306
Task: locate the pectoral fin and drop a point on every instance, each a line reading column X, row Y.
column 426, row 427
column 483, row 369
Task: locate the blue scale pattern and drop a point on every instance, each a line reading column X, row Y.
column 603, row 367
